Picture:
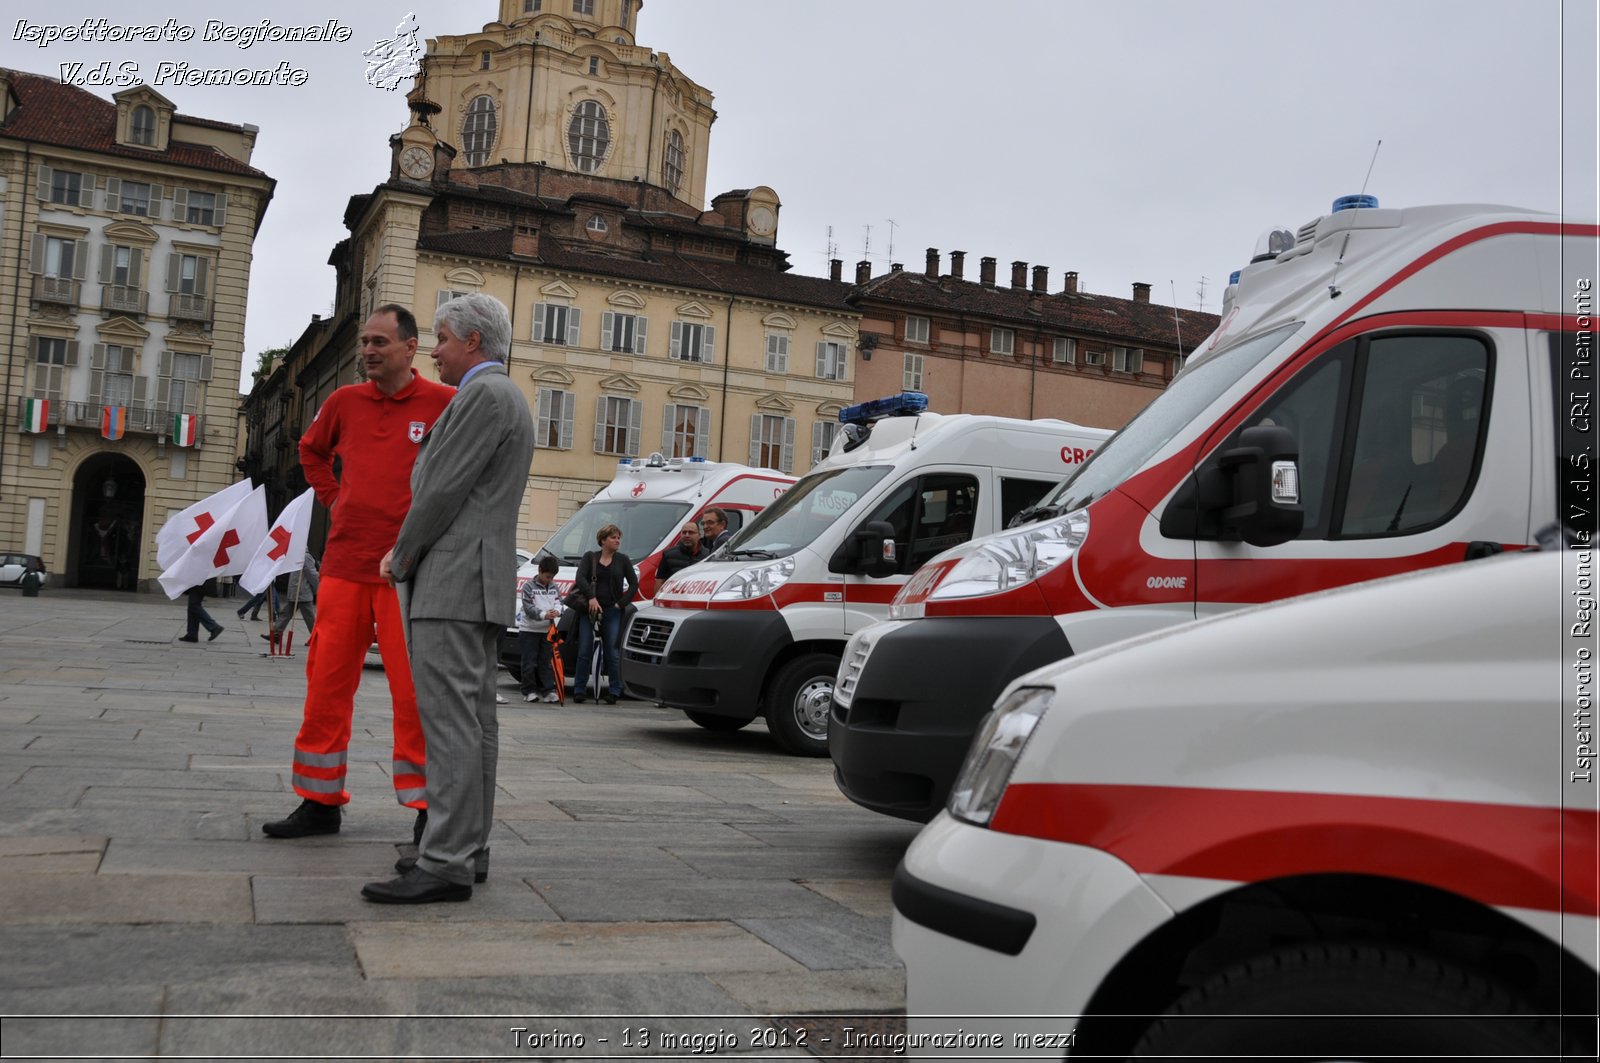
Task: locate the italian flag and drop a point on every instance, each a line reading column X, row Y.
column 35, row 415
column 113, row 421
column 183, row 429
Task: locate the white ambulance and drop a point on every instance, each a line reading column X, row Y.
column 1362, row 824
column 758, row 627
column 650, row 499
column 1385, row 392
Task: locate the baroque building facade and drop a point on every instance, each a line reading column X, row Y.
column 124, row 269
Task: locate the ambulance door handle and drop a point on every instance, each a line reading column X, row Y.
column 1479, row 548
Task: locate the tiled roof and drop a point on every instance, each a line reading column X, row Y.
column 51, row 112
column 1084, row 313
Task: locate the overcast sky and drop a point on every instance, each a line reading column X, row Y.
column 1136, row 141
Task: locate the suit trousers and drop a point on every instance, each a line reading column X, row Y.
column 454, row 663
column 335, row 653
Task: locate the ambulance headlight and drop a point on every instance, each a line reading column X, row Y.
column 994, row 753
column 1009, row 561
column 755, row 582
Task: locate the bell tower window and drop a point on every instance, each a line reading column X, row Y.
column 588, row 136
column 477, row 134
column 672, row 162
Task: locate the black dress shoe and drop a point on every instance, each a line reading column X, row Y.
column 312, row 817
column 415, row 887
column 609, row 699
column 480, row 872
column 188, row 638
column 215, row 633
column 579, row 699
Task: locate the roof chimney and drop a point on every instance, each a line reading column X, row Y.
column 986, row 271
column 896, row 267
column 1071, row 287
column 863, row 271
column 933, row 264
column 957, row 262
column 1041, row 278
column 1019, row 274
column 835, row 269
column 1141, row 292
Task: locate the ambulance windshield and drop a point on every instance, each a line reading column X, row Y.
column 644, row 526
column 804, row 512
column 1155, row 426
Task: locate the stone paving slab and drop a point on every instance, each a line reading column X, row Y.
column 841, row 943
column 618, row 899
column 45, row 896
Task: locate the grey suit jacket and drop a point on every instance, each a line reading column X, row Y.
column 457, row 545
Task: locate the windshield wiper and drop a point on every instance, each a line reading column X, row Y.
column 765, row 554
column 1033, row 513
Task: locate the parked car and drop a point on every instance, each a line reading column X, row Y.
column 1360, row 823
column 14, row 566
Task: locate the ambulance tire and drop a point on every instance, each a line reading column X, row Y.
column 1353, row 1002
column 799, row 701
column 717, row 723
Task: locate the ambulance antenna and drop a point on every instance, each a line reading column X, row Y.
column 1360, row 200
column 1370, row 165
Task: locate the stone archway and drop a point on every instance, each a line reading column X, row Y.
column 107, row 524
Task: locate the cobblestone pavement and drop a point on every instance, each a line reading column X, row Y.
column 652, row 882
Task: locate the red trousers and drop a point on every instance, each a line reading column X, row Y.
column 347, row 614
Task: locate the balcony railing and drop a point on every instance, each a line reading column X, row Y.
column 143, row 419
column 63, row 290
column 123, row 299
column 190, row 308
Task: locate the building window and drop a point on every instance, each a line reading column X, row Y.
column 1064, row 351
column 181, row 386
column 191, row 275
column 616, row 425
column 116, row 384
column 916, row 329
column 685, row 431
column 553, row 426
column 530, row 6
column 777, row 352
column 124, row 266
column 556, row 323
column 477, row 133
column 911, row 376
column 66, row 187
column 1127, row 360
column 483, row 61
column 626, row 15
column 672, row 162
column 583, row 7
column 1094, row 357
column 444, row 296
column 142, row 128
column 622, row 332
column 594, row 64
column 1001, row 341
column 134, row 198
column 49, row 351
column 588, row 136
column 202, row 209
column 60, row 258
column 831, row 363
column 823, row 433
column 692, row 343
column 597, row 224
column 772, row 442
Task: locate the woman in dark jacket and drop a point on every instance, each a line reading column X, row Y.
column 607, row 583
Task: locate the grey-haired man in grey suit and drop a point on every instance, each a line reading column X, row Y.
column 457, row 550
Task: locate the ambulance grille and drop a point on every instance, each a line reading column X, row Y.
column 649, row 636
column 849, row 674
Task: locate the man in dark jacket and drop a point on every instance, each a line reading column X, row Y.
column 679, row 557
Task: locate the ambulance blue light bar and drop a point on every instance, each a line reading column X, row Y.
column 905, row 404
column 1355, row 203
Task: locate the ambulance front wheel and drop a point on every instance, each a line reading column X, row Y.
column 716, row 723
column 799, row 701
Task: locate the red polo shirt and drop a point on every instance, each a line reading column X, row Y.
column 375, row 437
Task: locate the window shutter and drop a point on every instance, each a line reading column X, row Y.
column 155, row 201
column 136, row 268
column 97, row 356
column 445, row 296
column 817, row 453
column 574, row 316
column 669, row 419
column 640, row 324
column 113, row 193
column 708, row 344
column 755, row 439
column 141, row 391
column 164, row 364
column 788, row 444
column 822, row 360
column 80, row 259
column 42, row 190
column 96, row 381
column 108, row 261
column 222, row 209
column 702, row 435
column 538, row 322
column 675, row 348
column 205, row 366
column 174, row 266
column 569, row 406
column 72, row 352
column 36, row 254
column 607, row 318
column 180, row 207
column 86, row 190
column 635, row 417
column 201, row 282
column 545, row 401
column 600, row 424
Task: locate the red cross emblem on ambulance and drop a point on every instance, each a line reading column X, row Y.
column 638, row 489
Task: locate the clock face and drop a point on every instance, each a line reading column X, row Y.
column 762, row 221
column 416, row 161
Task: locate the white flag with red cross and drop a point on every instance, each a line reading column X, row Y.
column 180, row 532
column 284, row 548
column 223, row 548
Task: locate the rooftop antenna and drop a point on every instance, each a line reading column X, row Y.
column 866, row 243
column 1177, row 323
column 1200, row 293
column 1333, row 281
column 833, row 248
column 892, row 224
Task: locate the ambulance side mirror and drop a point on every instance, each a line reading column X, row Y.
column 1253, row 492
column 867, row 551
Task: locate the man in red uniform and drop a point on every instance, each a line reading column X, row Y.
column 373, row 429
